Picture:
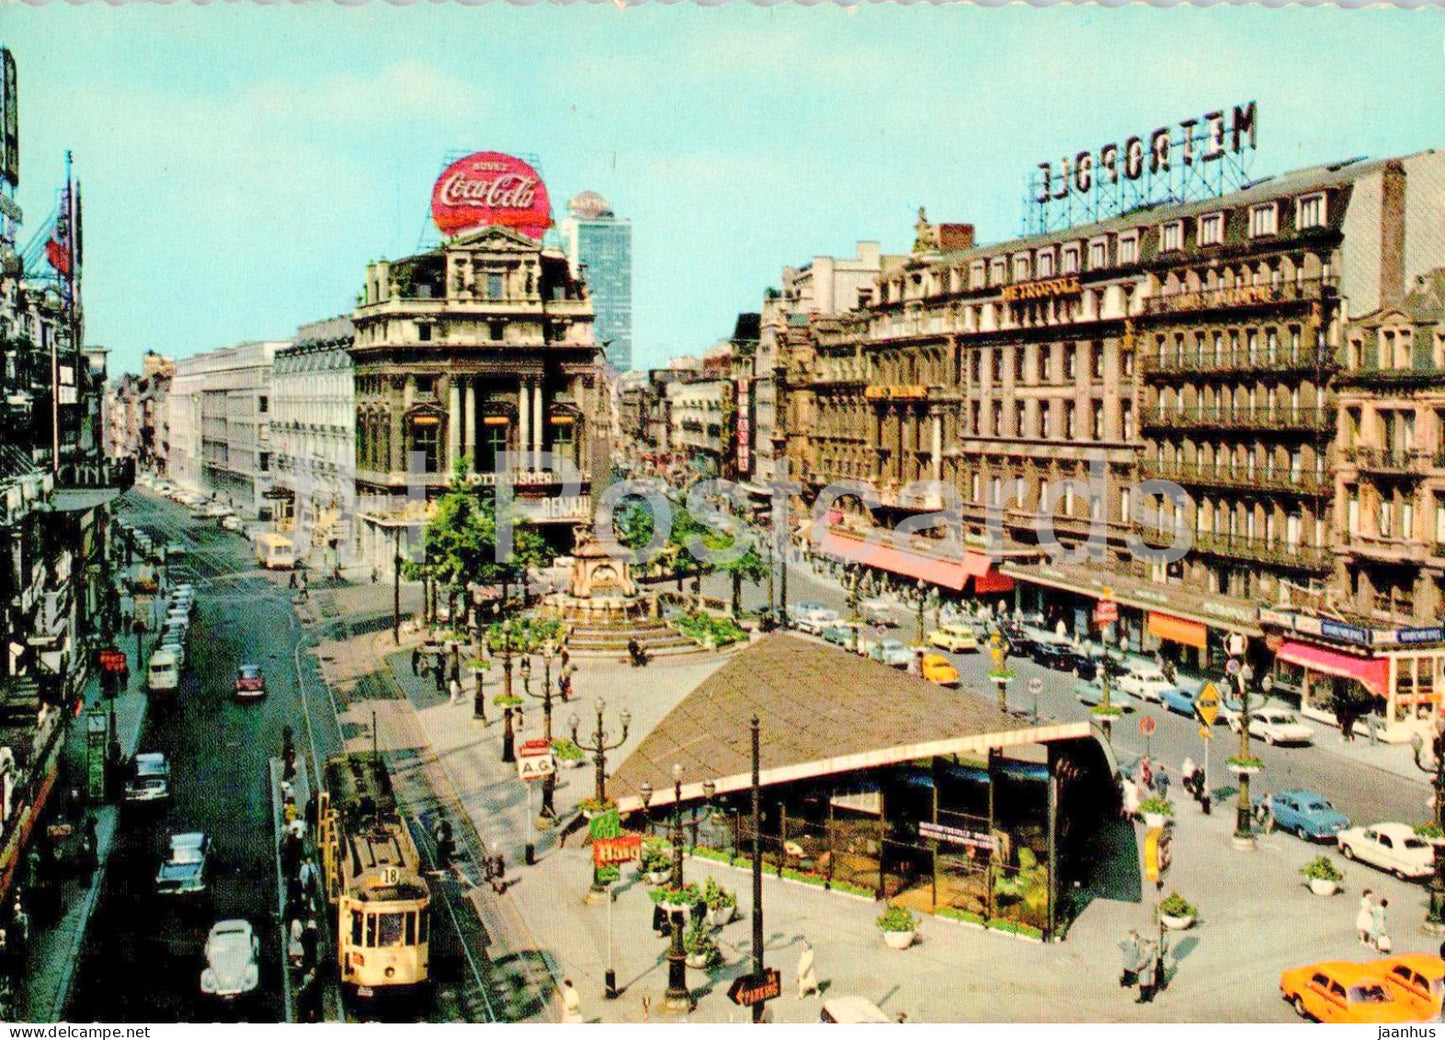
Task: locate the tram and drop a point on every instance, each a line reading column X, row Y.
column 372, row 874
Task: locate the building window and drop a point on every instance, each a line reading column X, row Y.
column 1098, row 254
column 263, row 404
column 1046, row 264
column 1263, row 220
column 497, row 330
column 977, row 275
column 1071, row 356
column 1021, row 268
column 1070, row 430
column 494, row 285
column 1310, row 212
column 423, row 332
column 1097, row 359
column 1211, row 229
column 996, row 272
column 1070, row 260
column 1129, row 248
column 1098, row 421
column 264, row 461
column 1171, row 236
column 425, row 439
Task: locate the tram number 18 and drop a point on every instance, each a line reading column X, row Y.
column 390, row 875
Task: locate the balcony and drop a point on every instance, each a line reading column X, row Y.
column 1195, row 475
column 1388, row 550
column 1260, row 550
column 1178, row 367
column 1240, row 297
column 1394, row 378
column 1282, row 420
column 1387, row 462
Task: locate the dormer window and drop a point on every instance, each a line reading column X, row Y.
column 1211, row 229
column 1045, row 263
column 996, row 271
column 1021, row 268
column 1098, row 254
column 1129, row 248
column 1309, row 211
column 1264, row 220
column 1070, row 260
column 977, row 274
column 1171, row 236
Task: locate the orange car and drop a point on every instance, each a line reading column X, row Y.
column 1342, row 991
column 936, row 668
column 1416, row 980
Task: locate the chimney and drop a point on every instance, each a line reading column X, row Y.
column 954, row 236
column 1392, row 234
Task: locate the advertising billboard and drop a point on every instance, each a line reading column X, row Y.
column 489, row 189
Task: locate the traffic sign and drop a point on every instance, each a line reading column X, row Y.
column 1036, row 686
column 1231, row 667
column 748, row 990
column 1106, row 612
column 1147, row 725
column 1207, row 732
column 1206, row 705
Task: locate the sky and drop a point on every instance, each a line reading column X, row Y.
column 242, row 163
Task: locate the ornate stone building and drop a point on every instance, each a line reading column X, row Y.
column 476, row 348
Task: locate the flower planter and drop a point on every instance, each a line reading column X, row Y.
column 720, row 916
column 658, row 877
column 696, row 960
column 674, row 908
column 899, row 940
column 1155, row 820
column 1239, row 770
column 1176, row 924
column 571, row 763
column 1324, row 886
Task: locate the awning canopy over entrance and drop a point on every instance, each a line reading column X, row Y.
column 1374, row 673
column 1178, row 630
column 950, row 574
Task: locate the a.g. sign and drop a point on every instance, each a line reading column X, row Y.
column 489, row 189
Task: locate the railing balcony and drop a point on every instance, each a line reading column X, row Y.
column 97, row 475
column 1196, row 475
column 1264, row 419
column 1241, row 297
column 1388, row 549
column 1387, row 462
column 1386, row 378
column 1239, row 362
column 1260, row 550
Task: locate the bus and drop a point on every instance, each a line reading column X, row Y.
column 274, row 551
column 372, row 874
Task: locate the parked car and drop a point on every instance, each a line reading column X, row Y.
column 1305, row 814
column 174, row 647
column 842, row 633
column 232, row 523
column 1020, row 643
column 1416, row 980
column 163, row 674
column 250, row 682
column 891, row 652
column 232, row 960
column 1391, row 847
column 1178, row 701
column 1278, row 726
column 184, row 873
column 1058, row 656
column 149, row 780
column 851, row 1011
column 1341, row 991
column 953, row 637
column 877, row 610
column 812, row 617
column 1145, row 681
column 938, row 669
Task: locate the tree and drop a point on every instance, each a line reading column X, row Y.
column 747, row 567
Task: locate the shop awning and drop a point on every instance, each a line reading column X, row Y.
column 949, row 574
column 1178, row 630
column 1373, row 673
column 991, row 581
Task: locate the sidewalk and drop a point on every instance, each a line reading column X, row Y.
column 54, row 948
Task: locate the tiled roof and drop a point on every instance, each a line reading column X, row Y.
column 823, row 711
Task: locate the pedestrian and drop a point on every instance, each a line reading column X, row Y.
column 807, row 976
column 292, row 583
column 310, row 997
column 1161, row 782
column 1364, row 918
column 454, row 690
column 289, row 811
column 416, row 660
column 1129, row 806
column 1129, row 972
column 307, row 876
column 20, row 921
column 295, row 951
column 1378, row 932
column 1188, row 779
column 310, row 943
column 1148, row 965
column 441, row 678
column 294, row 900
column 373, row 575
column 571, row 1002
column 1146, row 773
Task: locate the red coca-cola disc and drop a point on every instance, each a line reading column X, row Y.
column 489, row 189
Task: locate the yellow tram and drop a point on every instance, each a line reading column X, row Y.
column 372, row 875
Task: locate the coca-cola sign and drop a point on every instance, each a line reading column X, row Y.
column 489, row 189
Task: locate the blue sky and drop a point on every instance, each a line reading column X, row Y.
column 242, row 163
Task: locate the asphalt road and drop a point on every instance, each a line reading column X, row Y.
column 1364, row 793
column 141, row 958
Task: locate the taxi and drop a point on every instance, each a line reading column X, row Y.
column 954, row 638
column 1342, row 991
column 937, row 669
column 1416, row 980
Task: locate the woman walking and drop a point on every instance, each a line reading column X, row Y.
column 1379, row 936
column 1365, row 918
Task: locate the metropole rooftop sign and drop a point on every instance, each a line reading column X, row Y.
column 490, row 189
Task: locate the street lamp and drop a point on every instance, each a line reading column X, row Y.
column 677, row 998
column 1242, row 673
column 549, row 782
column 1435, row 919
column 599, row 746
column 921, row 595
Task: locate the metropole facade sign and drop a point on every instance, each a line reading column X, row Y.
column 490, row 189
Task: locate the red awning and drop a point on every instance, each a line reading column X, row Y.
column 992, row 581
column 950, row 574
column 1374, row 673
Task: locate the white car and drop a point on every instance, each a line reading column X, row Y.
column 812, row 617
column 1278, row 726
column 231, row 522
column 878, row 610
column 1145, row 681
column 1392, row 847
column 232, row 960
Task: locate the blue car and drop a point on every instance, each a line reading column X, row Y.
column 1306, row 814
column 1177, row 700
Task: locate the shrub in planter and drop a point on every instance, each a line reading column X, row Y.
column 1323, row 876
column 897, row 919
column 1429, row 832
column 593, row 807
column 655, row 856
column 566, row 751
column 1160, row 809
column 700, row 947
column 1177, row 906
column 501, row 700
column 687, row 896
column 721, row 903
column 1251, row 764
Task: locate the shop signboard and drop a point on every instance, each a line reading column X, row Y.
column 489, row 189
column 957, row 835
column 534, row 760
column 609, row 852
column 748, row 990
column 1345, row 633
column 1106, row 612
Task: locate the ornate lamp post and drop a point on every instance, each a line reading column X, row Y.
column 1241, row 673
column 855, row 576
column 677, row 998
column 1435, row 919
column 599, row 746
column 920, row 595
column 549, row 782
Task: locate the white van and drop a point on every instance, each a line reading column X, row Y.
column 164, row 673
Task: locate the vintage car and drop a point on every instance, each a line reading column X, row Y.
column 892, row 652
column 232, row 960
column 954, row 638
column 1305, row 814
column 1416, row 980
column 149, row 780
column 1392, row 847
column 250, row 682
column 1341, row 991
column 938, row 669
column 184, row 873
